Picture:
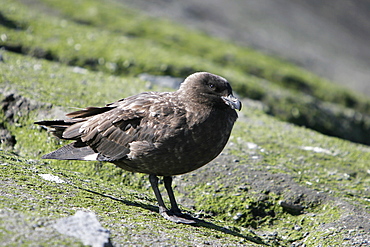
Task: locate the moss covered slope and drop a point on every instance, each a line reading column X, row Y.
column 275, row 183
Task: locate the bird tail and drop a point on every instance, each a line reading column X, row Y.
column 73, row 151
column 57, row 127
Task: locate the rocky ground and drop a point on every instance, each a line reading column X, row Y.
column 277, row 183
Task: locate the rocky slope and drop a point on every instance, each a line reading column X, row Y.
column 329, row 38
column 275, row 184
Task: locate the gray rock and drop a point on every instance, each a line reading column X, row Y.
column 86, row 227
column 162, row 81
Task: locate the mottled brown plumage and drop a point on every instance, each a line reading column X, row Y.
column 161, row 134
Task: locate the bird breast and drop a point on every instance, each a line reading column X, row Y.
column 182, row 147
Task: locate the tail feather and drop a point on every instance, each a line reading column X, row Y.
column 69, row 130
column 72, row 151
column 57, row 126
column 89, row 111
column 55, row 123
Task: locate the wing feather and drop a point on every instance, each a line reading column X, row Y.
column 111, row 130
column 73, row 131
column 89, row 111
column 110, row 133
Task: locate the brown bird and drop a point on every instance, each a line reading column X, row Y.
column 160, row 134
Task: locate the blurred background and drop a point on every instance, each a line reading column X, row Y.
column 329, row 38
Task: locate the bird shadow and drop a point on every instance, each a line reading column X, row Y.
column 126, row 202
column 210, row 225
column 199, row 222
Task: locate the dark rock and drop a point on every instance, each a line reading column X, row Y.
column 291, row 208
column 15, row 106
column 6, row 138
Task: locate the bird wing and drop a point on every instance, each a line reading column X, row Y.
column 110, row 131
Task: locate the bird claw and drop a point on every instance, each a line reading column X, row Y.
column 178, row 217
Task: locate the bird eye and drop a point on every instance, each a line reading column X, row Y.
column 211, row 85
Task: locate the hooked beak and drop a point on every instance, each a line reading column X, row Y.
column 232, row 101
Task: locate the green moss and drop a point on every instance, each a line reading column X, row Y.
column 126, row 212
column 335, row 166
column 245, row 209
column 114, row 39
column 292, row 228
column 62, row 85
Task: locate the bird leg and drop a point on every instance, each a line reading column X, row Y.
column 154, row 182
column 168, row 185
column 174, row 214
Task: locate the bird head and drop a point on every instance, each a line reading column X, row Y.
column 207, row 88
